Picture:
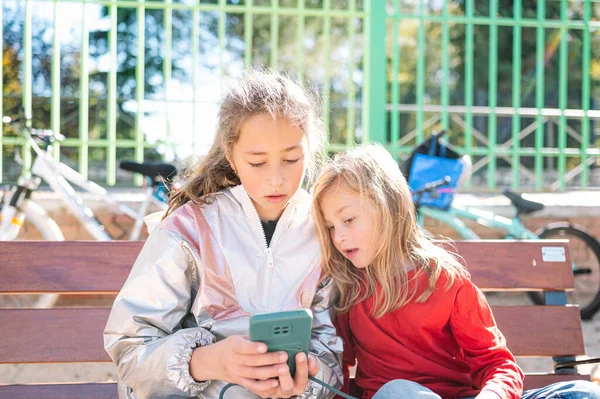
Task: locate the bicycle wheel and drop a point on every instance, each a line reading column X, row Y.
column 585, row 255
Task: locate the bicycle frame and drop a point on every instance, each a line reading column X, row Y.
column 58, row 175
column 452, row 217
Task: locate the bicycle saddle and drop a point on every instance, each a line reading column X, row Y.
column 152, row 170
column 523, row 206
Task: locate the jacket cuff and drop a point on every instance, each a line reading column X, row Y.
column 308, row 393
column 497, row 391
column 179, row 368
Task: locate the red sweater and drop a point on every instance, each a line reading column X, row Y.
column 449, row 344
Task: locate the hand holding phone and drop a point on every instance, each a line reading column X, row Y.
column 238, row 361
column 287, row 331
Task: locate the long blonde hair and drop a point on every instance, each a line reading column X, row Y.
column 256, row 92
column 371, row 172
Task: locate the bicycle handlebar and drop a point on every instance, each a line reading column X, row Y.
column 430, row 188
column 440, row 134
column 46, row 135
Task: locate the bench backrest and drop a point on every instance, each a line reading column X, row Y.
column 102, row 267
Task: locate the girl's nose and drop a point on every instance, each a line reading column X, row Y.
column 276, row 177
column 340, row 236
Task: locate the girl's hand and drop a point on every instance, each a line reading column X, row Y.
column 289, row 386
column 238, row 361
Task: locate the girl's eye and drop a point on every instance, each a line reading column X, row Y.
column 330, row 228
column 349, row 220
column 290, row 161
column 257, row 165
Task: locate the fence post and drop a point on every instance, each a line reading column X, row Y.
column 376, row 78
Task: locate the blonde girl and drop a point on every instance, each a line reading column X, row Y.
column 409, row 313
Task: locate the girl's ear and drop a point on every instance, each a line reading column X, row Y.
column 230, row 160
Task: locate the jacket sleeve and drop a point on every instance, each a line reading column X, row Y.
column 493, row 367
column 145, row 334
column 326, row 346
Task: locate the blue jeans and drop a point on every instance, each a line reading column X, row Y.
column 405, row 389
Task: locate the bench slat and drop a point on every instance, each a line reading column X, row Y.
column 42, row 266
column 66, row 266
column 109, row 390
column 501, row 264
column 541, row 330
column 53, row 335
column 77, row 333
column 60, row 391
column 533, row 381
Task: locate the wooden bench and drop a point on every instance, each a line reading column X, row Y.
column 65, row 335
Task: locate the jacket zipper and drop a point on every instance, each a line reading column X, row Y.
column 268, row 276
column 264, row 294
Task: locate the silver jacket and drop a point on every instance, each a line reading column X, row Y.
column 200, row 275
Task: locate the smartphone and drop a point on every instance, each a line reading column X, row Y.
column 287, row 331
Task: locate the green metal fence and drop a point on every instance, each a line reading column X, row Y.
column 552, row 141
column 335, row 25
column 390, row 71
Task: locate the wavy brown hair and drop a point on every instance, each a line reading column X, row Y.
column 371, row 172
column 256, row 92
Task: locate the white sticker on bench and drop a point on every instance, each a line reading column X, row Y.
column 553, row 254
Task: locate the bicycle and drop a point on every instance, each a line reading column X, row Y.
column 584, row 248
column 17, row 204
